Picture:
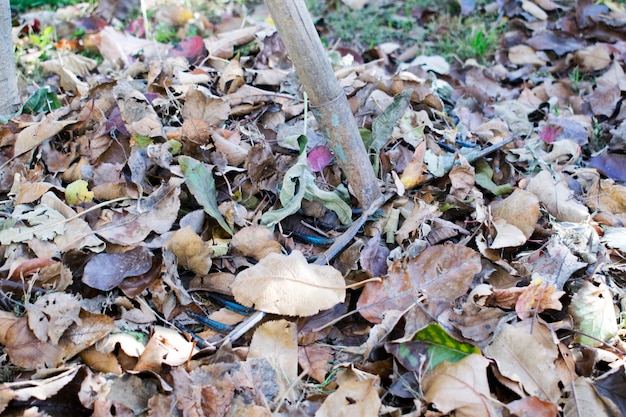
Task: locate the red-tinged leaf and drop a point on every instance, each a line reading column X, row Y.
column 191, row 48
column 106, row 271
column 91, row 24
column 550, row 133
column 319, row 158
column 533, row 406
column 315, row 360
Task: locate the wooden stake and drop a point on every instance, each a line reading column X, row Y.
column 328, row 101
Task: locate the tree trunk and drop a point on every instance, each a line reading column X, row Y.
column 9, row 96
column 328, row 101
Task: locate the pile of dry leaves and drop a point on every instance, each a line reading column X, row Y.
column 490, row 282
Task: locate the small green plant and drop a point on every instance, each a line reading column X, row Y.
column 165, row 33
column 44, row 40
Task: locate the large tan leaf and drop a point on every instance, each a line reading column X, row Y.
column 525, row 352
column 461, row 387
column 277, row 341
column 288, row 285
column 441, row 272
column 583, row 400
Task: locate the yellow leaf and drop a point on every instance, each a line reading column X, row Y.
column 78, row 193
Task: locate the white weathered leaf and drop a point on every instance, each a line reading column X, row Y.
column 288, row 285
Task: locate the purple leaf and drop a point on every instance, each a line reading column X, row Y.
column 106, row 271
column 319, row 158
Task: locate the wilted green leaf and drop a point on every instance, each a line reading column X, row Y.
column 201, row 184
column 438, row 165
column 484, row 178
column 143, row 141
column 298, row 184
column 77, row 192
column 382, row 126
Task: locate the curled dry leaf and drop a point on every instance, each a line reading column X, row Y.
column 230, row 145
column 232, row 77
column 200, row 107
column 288, row 285
column 557, row 198
column 26, row 351
column 191, row 251
column 520, row 210
column 156, row 214
column 254, row 241
column 166, row 346
column 139, row 116
column 533, row 406
column 538, row 297
column 507, row 235
column 34, row 135
column 315, row 360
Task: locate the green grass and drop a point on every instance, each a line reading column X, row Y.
column 20, row 6
column 460, row 38
column 369, row 26
column 445, row 32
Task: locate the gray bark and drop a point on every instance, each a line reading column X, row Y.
column 9, row 95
